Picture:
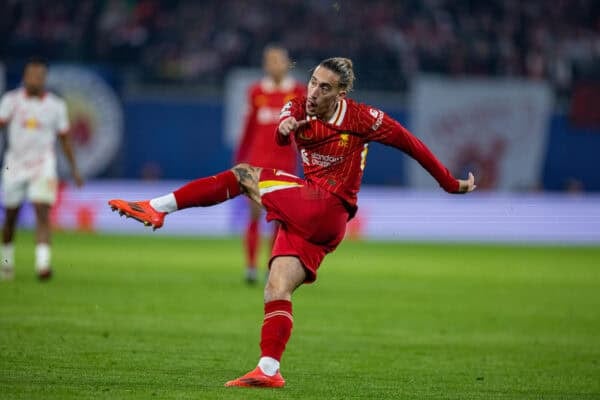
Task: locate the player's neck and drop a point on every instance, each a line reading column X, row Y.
column 35, row 92
column 277, row 81
column 327, row 117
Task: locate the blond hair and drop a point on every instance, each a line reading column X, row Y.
column 344, row 68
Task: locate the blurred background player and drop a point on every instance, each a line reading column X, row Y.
column 34, row 118
column 257, row 145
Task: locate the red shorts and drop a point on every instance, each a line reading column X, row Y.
column 286, row 164
column 313, row 221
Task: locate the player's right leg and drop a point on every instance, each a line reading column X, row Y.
column 203, row 192
column 287, row 274
column 7, row 270
column 13, row 193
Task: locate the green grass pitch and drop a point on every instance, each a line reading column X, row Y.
column 170, row 318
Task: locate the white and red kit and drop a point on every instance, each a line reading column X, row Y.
column 29, row 168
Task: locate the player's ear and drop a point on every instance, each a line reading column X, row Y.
column 341, row 94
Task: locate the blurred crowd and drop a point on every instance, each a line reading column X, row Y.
column 389, row 40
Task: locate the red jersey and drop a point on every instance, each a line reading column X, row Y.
column 334, row 152
column 258, row 146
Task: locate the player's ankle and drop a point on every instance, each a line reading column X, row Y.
column 268, row 365
column 166, row 203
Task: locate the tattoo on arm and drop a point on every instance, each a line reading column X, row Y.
column 246, row 178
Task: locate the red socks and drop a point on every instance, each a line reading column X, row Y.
column 252, row 237
column 276, row 329
column 209, row 191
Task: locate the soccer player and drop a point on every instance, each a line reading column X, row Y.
column 332, row 133
column 257, row 147
column 34, row 118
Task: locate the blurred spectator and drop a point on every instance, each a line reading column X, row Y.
column 187, row 41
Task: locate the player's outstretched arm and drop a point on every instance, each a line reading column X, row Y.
column 289, row 125
column 467, row 185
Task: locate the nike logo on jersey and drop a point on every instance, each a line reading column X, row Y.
column 282, row 173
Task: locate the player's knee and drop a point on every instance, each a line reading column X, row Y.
column 276, row 291
column 239, row 166
column 245, row 167
column 246, row 172
column 286, row 275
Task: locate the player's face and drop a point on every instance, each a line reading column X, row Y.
column 34, row 78
column 276, row 63
column 323, row 93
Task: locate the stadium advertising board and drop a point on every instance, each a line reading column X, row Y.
column 496, row 128
column 384, row 214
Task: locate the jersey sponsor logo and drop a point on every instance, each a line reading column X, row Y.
column 267, row 115
column 95, row 114
column 31, row 123
column 320, row 160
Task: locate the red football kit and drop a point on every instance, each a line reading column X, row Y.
column 257, row 146
column 314, row 210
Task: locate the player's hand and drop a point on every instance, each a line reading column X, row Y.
column 468, row 185
column 78, row 179
column 290, row 125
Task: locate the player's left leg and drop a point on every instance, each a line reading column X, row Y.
column 42, row 192
column 287, row 274
column 276, row 226
column 252, row 241
column 42, row 240
column 203, row 192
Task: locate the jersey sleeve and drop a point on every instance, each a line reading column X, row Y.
column 379, row 127
column 62, row 119
column 293, row 108
column 7, row 105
